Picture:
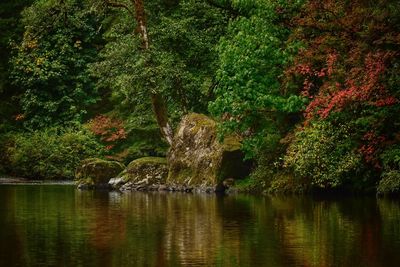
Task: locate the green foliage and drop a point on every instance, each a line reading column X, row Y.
column 391, row 158
column 52, row 153
column 179, row 64
column 389, row 183
column 50, row 64
column 11, row 30
column 140, row 142
column 390, row 179
column 251, row 185
column 250, row 95
column 325, row 154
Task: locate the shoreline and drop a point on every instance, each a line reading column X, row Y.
column 7, row 180
column 26, row 181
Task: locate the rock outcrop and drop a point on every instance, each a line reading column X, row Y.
column 143, row 174
column 198, row 160
column 95, row 173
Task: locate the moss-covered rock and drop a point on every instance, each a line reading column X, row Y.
column 95, row 173
column 196, row 157
column 142, row 174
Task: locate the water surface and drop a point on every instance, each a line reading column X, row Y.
column 56, row 225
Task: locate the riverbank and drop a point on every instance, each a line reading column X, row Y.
column 25, row 181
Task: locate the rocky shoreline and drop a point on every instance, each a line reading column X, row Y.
column 170, row 188
column 197, row 161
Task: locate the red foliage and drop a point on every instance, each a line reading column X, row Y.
column 370, row 150
column 109, row 129
column 346, row 55
column 350, row 47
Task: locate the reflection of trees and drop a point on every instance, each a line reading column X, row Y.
column 193, row 228
column 59, row 226
column 252, row 231
column 390, row 232
column 144, row 243
column 105, row 226
column 46, row 225
column 249, row 234
column 11, row 252
column 329, row 232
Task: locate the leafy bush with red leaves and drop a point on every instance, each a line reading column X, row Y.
column 109, row 129
column 346, row 68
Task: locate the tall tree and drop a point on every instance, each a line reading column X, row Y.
column 165, row 53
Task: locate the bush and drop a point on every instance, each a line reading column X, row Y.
column 325, row 154
column 390, row 183
column 52, row 153
column 390, row 178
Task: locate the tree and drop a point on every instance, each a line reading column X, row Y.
column 250, row 95
column 171, row 62
column 11, row 31
column 50, row 65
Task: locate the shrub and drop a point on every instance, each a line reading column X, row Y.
column 390, row 182
column 325, row 154
column 390, row 178
column 52, row 153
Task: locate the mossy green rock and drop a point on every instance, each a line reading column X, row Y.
column 197, row 158
column 95, row 173
column 141, row 173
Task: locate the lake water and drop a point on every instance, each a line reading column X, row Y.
column 56, row 225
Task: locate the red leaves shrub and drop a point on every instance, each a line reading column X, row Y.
column 349, row 45
column 370, row 150
column 110, row 130
column 350, row 52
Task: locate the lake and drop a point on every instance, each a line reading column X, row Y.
column 57, row 225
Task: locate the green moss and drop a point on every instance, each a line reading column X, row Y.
column 97, row 171
column 231, row 143
column 148, row 160
column 200, row 121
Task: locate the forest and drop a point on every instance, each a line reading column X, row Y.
column 310, row 87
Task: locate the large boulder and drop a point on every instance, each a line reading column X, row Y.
column 95, row 173
column 198, row 160
column 148, row 173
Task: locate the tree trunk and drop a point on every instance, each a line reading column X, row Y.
column 161, row 112
column 140, row 17
column 158, row 103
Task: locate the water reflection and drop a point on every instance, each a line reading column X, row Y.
column 59, row 226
